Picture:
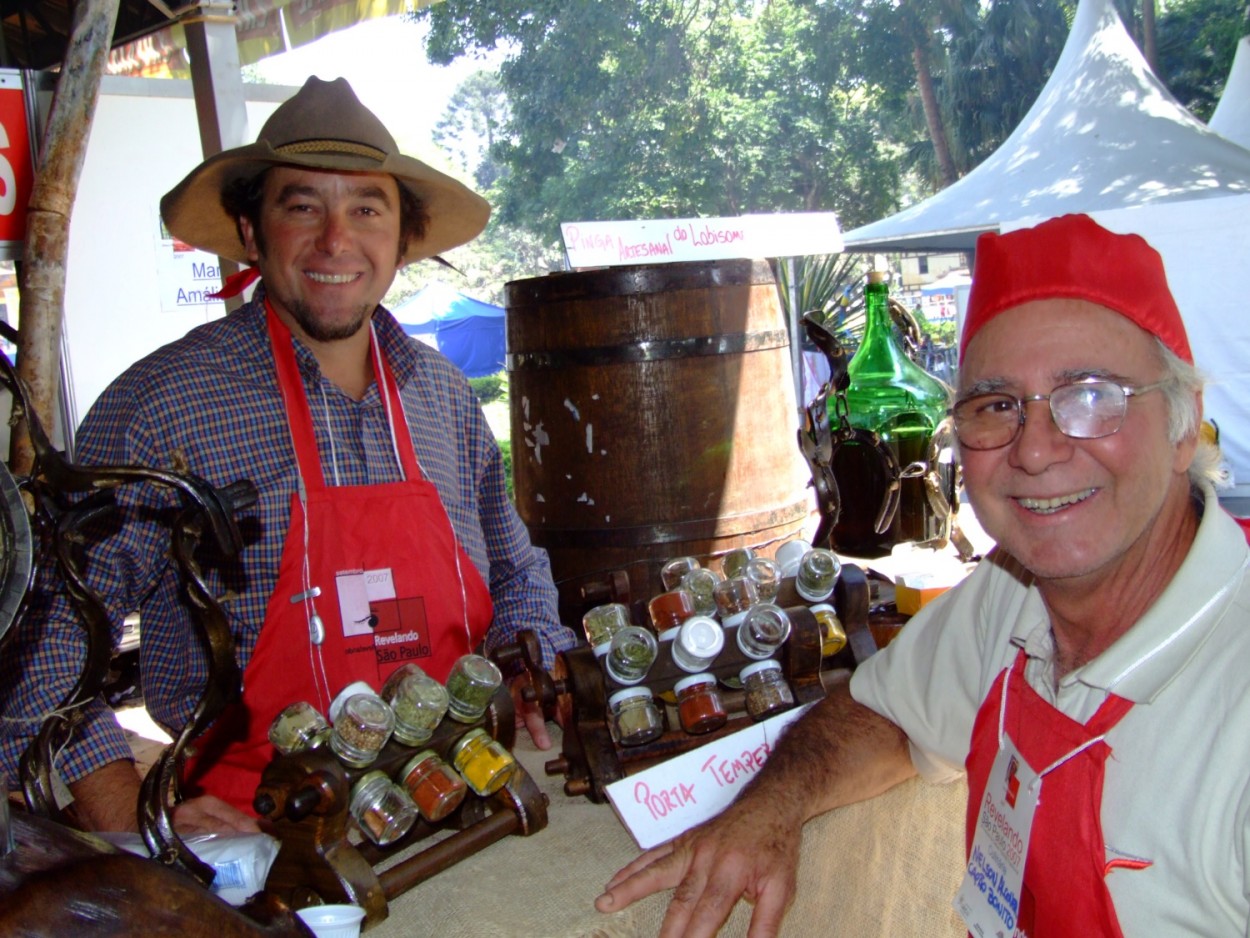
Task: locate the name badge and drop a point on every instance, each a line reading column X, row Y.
column 989, row 897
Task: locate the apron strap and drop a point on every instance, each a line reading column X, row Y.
column 299, row 413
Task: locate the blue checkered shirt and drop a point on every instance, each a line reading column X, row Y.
column 209, row 404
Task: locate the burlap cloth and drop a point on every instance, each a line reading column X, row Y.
column 888, row 867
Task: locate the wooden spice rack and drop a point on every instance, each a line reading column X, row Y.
column 591, row 758
column 306, row 796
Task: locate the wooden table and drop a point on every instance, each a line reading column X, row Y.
column 886, row 867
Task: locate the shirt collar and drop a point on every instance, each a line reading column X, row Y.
column 1143, row 661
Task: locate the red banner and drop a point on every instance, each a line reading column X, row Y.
column 17, row 170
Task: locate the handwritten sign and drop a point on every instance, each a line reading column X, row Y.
column 667, row 799
column 612, row 243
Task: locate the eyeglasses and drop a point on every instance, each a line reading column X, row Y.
column 1084, row 410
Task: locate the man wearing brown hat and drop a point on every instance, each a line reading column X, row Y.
column 1091, row 678
column 383, row 532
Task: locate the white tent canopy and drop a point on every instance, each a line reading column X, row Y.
column 1103, row 134
column 1232, row 115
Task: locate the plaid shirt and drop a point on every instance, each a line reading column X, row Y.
column 209, row 404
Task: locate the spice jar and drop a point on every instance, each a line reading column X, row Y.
column 766, row 575
column 298, row 728
column 673, row 572
column 419, row 704
column 670, row 609
column 832, row 635
column 433, row 785
column 363, row 726
column 733, row 598
column 789, row 554
column 630, row 655
column 635, row 717
column 483, row 762
column 734, row 563
column 700, row 584
column 763, row 630
column 351, row 690
column 602, row 622
column 470, row 686
column 699, row 705
column 381, row 808
column 697, row 643
column 767, row 691
column 392, row 683
column 818, row 574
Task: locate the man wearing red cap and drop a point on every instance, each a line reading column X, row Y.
column 1092, row 676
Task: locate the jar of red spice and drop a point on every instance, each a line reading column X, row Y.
column 699, row 705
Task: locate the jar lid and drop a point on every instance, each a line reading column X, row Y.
column 351, row 690
column 628, row 694
column 603, row 648
column 823, row 607
column 416, row 761
column 702, row 636
column 768, row 664
column 693, row 680
column 466, row 739
column 366, row 781
column 669, row 634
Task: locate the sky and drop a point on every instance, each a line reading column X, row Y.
column 384, row 60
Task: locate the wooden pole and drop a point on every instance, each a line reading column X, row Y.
column 47, row 220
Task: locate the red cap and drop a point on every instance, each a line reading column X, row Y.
column 1074, row 257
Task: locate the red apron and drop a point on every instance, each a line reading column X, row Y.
column 1065, row 890
column 386, row 553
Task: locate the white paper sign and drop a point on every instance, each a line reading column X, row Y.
column 670, row 798
column 612, row 243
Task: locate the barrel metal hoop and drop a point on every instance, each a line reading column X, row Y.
column 651, row 351
column 704, row 529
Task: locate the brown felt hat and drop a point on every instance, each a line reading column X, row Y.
column 323, row 127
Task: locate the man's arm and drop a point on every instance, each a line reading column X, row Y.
column 107, row 800
column 840, row 752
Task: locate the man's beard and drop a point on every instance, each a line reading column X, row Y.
column 302, row 313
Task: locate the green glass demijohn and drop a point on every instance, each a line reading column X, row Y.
column 896, row 398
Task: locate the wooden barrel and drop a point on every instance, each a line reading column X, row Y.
column 653, row 416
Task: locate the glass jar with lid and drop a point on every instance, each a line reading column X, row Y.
column 733, row 598
column 630, row 655
column 602, row 622
column 766, row 575
column 483, row 762
column 697, row 643
column 298, row 728
column 471, row 684
column 832, row 635
column 672, row 573
column 635, row 717
column 766, row 689
column 700, row 584
column 433, row 785
column 419, row 704
column 817, row 575
column 699, row 704
column 671, row 609
column 763, row 630
column 381, row 809
column 362, row 727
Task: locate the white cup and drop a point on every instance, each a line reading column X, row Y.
column 333, row 921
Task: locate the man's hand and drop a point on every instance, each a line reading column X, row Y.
column 750, row 851
column 530, row 714
column 207, row 814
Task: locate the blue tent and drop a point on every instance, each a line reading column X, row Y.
column 468, row 331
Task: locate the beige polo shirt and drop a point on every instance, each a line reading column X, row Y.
column 1177, row 790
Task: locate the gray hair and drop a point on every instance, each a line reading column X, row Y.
column 1183, row 392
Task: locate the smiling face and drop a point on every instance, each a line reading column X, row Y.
column 1070, row 508
column 327, row 245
